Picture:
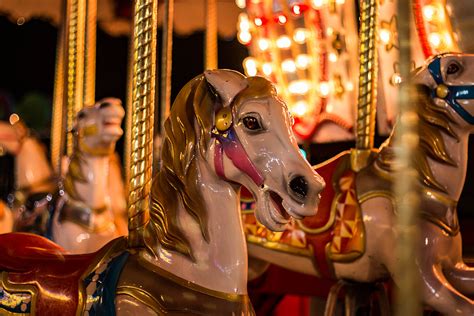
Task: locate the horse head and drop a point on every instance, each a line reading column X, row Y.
column 450, row 80
column 98, row 127
column 250, row 115
column 241, row 131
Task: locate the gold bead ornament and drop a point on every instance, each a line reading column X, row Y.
column 442, row 91
column 224, row 119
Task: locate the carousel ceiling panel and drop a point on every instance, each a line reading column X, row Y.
column 114, row 15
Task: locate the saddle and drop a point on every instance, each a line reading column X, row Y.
column 39, row 277
column 335, row 234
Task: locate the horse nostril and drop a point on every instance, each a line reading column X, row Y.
column 299, row 186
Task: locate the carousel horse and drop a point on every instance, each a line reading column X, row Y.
column 33, row 179
column 83, row 219
column 224, row 131
column 354, row 234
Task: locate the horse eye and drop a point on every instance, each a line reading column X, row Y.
column 81, row 115
column 453, row 68
column 252, row 123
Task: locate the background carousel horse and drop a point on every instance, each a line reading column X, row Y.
column 194, row 257
column 353, row 236
column 33, row 178
column 84, row 220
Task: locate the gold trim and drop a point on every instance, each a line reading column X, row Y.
column 330, row 222
column 375, row 194
column 277, row 246
column 105, row 253
column 142, row 296
column 188, row 284
column 14, row 287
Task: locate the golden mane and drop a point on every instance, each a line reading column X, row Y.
column 74, row 172
column 175, row 183
column 433, row 121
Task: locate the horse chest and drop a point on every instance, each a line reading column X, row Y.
column 165, row 293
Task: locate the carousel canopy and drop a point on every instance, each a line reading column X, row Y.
column 114, row 16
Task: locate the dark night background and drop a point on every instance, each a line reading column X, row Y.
column 27, row 59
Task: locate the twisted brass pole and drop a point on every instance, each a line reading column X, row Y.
column 57, row 123
column 211, row 35
column 406, row 178
column 90, row 52
column 75, row 42
column 143, row 97
column 366, row 103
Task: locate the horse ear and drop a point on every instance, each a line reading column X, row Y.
column 227, row 83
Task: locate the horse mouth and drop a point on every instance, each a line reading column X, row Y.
column 282, row 216
column 113, row 123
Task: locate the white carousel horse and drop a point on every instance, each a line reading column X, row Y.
column 84, row 220
column 194, row 256
column 361, row 204
column 33, row 174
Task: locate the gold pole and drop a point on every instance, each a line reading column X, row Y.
column 90, row 52
column 366, row 103
column 57, row 124
column 129, row 114
column 143, row 97
column 75, row 41
column 166, row 62
column 211, row 35
column 406, row 178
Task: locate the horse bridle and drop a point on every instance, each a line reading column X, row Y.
column 450, row 93
column 229, row 144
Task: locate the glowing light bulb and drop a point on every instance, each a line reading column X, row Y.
column 303, row 61
column 435, row 39
column 13, row 119
column 300, row 108
column 296, row 9
column 429, row 12
column 281, row 19
column 318, row 3
column 263, row 44
column 324, row 88
column 244, row 37
column 283, row 42
column 244, row 23
column 250, row 65
column 288, row 65
column 300, row 35
column 240, row 3
column 267, row 69
column 385, row 35
column 258, row 21
column 349, row 86
column 332, row 57
column 298, row 87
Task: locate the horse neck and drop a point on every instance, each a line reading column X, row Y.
column 221, row 263
column 94, row 192
column 32, row 168
column 452, row 178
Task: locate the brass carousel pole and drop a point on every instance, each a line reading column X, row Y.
column 368, row 75
column 406, row 178
column 90, row 52
column 143, row 102
column 74, row 61
column 128, row 114
column 57, row 124
column 211, row 35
